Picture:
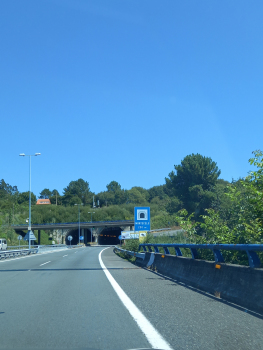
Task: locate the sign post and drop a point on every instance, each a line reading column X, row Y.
column 19, row 238
column 70, row 239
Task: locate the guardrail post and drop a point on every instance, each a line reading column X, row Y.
column 156, row 249
column 253, row 259
column 166, row 250
column 194, row 253
column 178, row 251
column 218, row 256
column 143, row 247
column 149, row 248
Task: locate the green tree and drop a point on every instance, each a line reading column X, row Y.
column 6, row 189
column 194, row 182
column 113, row 186
column 79, row 188
column 135, row 196
column 23, row 197
column 46, row 193
column 55, row 197
column 157, row 191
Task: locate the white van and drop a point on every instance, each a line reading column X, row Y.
column 3, row 244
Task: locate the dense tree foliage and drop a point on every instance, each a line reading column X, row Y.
column 194, row 183
column 210, row 210
column 77, row 192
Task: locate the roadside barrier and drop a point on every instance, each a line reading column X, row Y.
column 241, row 285
column 14, row 253
column 250, row 249
column 137, row 255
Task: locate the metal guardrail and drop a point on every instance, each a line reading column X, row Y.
column 12, row 247
column 137, row 255
column 35, row 246
column 51, row 246
column 250, row 249
column 14, row 253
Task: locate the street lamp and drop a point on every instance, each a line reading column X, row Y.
column 29, row 219
column 91, row 212
column 79, row 218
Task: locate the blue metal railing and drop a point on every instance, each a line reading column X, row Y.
column 250, row 249
column 82, row 222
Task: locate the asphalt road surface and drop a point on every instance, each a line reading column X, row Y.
column 89, row 298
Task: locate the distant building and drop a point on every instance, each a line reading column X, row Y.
column 43, row 201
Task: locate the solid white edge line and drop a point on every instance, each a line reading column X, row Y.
column 152, row 335
column 45, row 263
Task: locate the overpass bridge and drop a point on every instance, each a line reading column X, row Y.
column 102, row 232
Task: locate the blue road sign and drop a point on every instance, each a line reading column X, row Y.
column 142, row 219
column 120, row 238
column 81, row 238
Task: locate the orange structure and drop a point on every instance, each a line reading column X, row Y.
column 43, row 201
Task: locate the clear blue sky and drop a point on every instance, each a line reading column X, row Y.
column 124, row 89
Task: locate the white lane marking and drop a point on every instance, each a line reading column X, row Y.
column 64, row 255
column 152, row 335
column 45, row 263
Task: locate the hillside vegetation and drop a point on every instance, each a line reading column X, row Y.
column 209, row 209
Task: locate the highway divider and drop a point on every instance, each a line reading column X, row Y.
column 4, row 254
column 241, row 285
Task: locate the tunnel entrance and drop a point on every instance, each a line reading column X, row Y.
column 75, row 236
column 109, row 236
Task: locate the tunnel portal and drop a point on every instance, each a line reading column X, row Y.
column 75, row 236
column 109, row 236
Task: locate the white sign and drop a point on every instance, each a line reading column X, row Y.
column 129, row 235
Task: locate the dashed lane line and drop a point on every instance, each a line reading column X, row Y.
column 45, row 263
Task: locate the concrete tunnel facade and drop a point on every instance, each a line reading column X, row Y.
column 108, row 236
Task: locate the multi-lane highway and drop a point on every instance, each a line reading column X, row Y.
column 89, row 298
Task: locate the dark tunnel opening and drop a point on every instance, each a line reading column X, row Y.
column 75, row 237
column 109, row 236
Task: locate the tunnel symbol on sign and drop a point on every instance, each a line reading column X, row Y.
column 142, row 214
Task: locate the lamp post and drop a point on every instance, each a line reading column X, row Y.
column 79, row 218
column 29, row 220
column 91, row 212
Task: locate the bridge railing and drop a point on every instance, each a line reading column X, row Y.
column 250, row 249
column 72, row 223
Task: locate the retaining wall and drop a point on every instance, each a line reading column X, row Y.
column 238, row 284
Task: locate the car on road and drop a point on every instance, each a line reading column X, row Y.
column 3, row 244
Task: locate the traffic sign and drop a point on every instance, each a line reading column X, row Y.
column 142, row 219
column 81, row 238
column 120, row 237
column 19, row 238
column 30, row 235
column 70, row 238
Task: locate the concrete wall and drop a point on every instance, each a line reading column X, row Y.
column 238, row 284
